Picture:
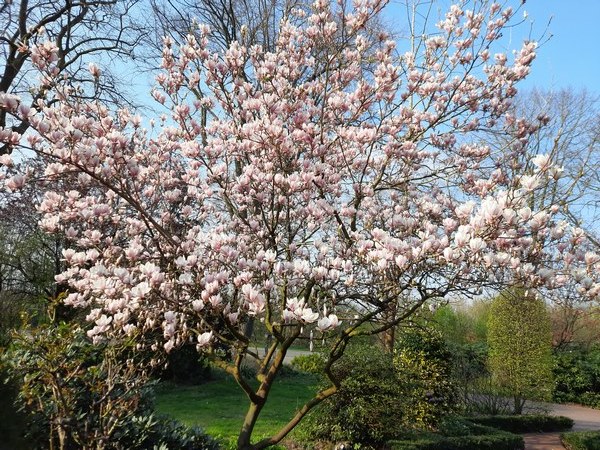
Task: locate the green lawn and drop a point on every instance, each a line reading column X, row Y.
column 219, row 406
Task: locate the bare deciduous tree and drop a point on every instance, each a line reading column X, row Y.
column 98, row 30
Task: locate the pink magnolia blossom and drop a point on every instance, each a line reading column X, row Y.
column 357, row 180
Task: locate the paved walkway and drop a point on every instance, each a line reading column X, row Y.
column 543, row 441
column 586, row 419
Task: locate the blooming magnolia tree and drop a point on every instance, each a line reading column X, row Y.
column 295, row 190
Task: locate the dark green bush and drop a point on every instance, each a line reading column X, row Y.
column 152, row 432
column 13, row 422
column 493, row 440
column 367, row 410
column 186, row 366
column 312, row 363
column 577, row 376
column 525, row 424
column 581, row 440
column 75, row 393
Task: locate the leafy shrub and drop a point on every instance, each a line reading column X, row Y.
column 525, row 424
column 381, row 394
column 78, row 395
column 12, row 421
column 497, row 441
column 152, row 432
column 368, row 408
column 312, row 363
column 520, row 346
column 468, row 369
column 581, row 440
column 423, row 367
column 577, row 376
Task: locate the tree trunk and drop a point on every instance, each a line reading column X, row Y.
column 388, row 337
column 243, row 442
column 519, row 404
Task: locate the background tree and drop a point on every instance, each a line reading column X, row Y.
column 520, row 346
column 82, row 31
column 572, row 139
column 289, row 187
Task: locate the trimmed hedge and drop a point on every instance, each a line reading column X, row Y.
column 532, row 423
column 460, row 435
column 581, row 440
column 499, row 440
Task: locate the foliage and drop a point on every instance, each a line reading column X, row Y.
column 529, row 423
column 492, row 441
column 380, row 394
column 13, row 422
column 581, row 440
column 463, row 324
column 313, row 363
column 77, row 395
column 186, row 366
column 27, row 269
column 460, row 434
column 423, row 368
column 369, row 407
column 520, row 346
column 469, row 371
column 577, row 375
column 151, row 432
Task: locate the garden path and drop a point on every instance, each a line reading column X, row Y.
column 586, row 419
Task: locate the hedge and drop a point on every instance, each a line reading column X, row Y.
column 497, row 441
column 479, row 438
column 532, row 423
column 581, row 440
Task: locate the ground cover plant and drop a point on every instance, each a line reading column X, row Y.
column 334, row 183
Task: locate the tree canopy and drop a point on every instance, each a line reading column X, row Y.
column 308, row 189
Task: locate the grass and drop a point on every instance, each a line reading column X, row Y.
column 219, row 406
column 581, row 440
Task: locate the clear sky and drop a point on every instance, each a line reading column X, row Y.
column 571, row 57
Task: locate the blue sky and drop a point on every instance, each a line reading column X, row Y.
column 571, row 58
column 568, row 29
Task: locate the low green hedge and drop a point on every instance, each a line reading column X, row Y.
column 461, row 435
column 497, row 441
column 581, row 440
column 530, row 423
